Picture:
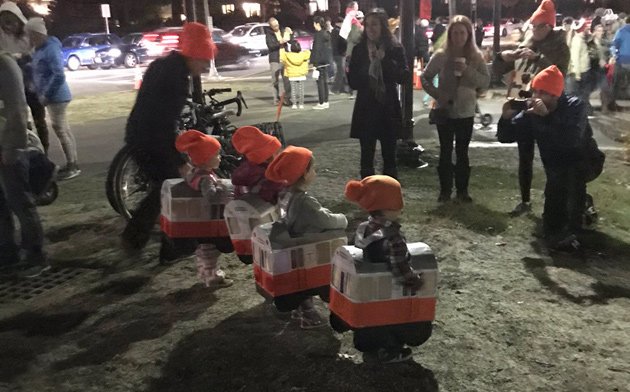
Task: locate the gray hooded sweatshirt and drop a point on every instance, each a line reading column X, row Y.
column 13, row 108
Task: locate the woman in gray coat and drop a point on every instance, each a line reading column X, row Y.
column 462, row 73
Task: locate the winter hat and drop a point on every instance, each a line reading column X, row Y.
column 290, row 165
column 549, row 80
column 9, row 6
column 254, row 144
column 546, row 13
column 199, row 146
column 579, row 25
column 424, row 23
column 196, row 42
column 36, row 25
column 375, row 193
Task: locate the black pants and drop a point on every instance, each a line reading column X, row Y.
column 158, row 166
column 38, row 111
column 340, row 84
column 459, row 129
column 392, row 337
column 388, row 150
column 322, row 84
column 565, row 198
column 526, row 148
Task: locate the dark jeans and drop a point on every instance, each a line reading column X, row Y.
column 38, row 111
column 388, row 150
column 16, row 198
column 277, row 76
column 621, row 78
column 565, row 198
column 322, row 84
column 340, row 85
column 158, row 166
column 526, row 149
column 459, row 129
column 392, row 337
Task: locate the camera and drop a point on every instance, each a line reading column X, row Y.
column 519, row 104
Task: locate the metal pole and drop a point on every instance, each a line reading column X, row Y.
column 406, row 37
column 106, row 25
column 497, row 26
column 452, row 8
column 197, row 89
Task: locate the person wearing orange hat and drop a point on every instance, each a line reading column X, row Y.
column 152, row 124
column 383, row 242
column 543, row 46
column 295, row 168
column 258, row 150
column 204, row 152
column 559, row 124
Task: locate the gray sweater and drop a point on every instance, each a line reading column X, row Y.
column 306, row 215
column 462, row 92
column 13, row 109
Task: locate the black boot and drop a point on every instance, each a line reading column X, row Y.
column 446, row 183
column 462, row 175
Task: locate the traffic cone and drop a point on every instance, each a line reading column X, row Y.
column 417, row 71
column 137, row 78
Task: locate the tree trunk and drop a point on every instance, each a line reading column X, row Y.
column 177, row 9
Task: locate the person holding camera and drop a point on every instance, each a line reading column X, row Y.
column 544, row 47
column 559, row 124
column 462, row 72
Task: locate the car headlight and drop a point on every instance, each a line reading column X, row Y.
column 114, row 52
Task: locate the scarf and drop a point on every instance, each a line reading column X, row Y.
column 375, row 72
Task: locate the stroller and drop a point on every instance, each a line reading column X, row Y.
column 42, row 172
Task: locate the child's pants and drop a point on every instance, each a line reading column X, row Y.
column 207, row 259
column 297, row 92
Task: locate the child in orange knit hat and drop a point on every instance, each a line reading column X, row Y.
column 258, row 149
column 383, row 242
column 204, row 152
column 295, row 167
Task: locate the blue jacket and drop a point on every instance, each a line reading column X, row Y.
column 48, row 73
column 621, row 44
column 562, row 135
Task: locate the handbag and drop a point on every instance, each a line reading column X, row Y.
column 594, row 159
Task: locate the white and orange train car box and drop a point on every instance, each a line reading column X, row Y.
column 285, row 265
column 366, row 294
column 185, row 213
column 242, row 215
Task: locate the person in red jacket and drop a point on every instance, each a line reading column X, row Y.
column 259, row 149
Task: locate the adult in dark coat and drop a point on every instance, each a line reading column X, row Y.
column 438, row 30
column 421, row 42
column 152, row 124
column 277, row 39
column 321, row 57
column 377, row 66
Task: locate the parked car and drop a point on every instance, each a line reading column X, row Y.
column 99, row 50
column 507, row 27
column 250, row 36
column 146, row 40
column 167, row 40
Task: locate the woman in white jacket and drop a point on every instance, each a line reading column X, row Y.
column 462, row 72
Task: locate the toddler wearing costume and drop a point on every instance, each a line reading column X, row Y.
column 204, row 153
column 304, row 214
column 382, row 241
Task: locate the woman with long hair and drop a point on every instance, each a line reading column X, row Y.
column 462, row 72
column 377, row 66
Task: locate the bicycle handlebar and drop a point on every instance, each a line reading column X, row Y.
column 215, row 91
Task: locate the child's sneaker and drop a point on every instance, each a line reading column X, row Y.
column 311, row 319
column 301, row 106
column 219, row 280
column 294, row 106
column 296, row 314
column 387, row 356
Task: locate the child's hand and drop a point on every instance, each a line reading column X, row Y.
column 414, row 282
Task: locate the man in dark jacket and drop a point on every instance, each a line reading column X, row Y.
column 321, row 57
column 152, row 124
column 545, row 47
column 421, row 42
column 438, row 30
column 559, row 124
column 277, row 39
column 339, row 46
column 15, row 192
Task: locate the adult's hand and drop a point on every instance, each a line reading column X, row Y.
column 538, row 108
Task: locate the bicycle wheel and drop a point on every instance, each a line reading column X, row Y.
column 129, row 186
column 274, row 129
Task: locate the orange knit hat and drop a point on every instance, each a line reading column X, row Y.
column 546, row 13
column 254, row 144
column 549, row 80
column 375, row 193
column 199, row 146
column 196, row 42
column 290, row 165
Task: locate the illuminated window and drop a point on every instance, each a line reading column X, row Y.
column 251, row 9
column 227, row 8
column 317, row 5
